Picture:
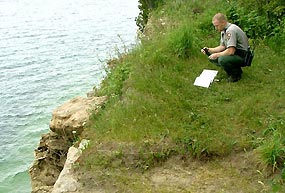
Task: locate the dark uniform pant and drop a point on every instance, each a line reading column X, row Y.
column 231, row 64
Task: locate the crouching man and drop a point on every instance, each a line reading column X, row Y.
column 232, row 49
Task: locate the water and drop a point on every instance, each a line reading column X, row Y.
column 50, row 52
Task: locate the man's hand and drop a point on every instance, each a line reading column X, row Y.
column 205, row 50
column 214, row 56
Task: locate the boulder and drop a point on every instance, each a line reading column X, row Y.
column 69, row 119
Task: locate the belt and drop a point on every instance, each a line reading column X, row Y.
column 241, row 53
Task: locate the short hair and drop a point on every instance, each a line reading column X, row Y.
column 220, row 17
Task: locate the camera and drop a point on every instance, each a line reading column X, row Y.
column 207, row 51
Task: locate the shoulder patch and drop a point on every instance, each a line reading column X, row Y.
column 228, row 35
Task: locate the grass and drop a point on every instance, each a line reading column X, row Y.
column 155, row 112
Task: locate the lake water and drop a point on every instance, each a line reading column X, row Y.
column 50, row 52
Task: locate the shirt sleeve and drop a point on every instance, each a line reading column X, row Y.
column 231, row 38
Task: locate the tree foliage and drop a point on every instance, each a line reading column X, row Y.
column 145, row 6
column 260, row 18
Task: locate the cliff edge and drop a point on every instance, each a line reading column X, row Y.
column 66, row 125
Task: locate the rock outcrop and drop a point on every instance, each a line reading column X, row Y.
column 67, row 123
column 67, row 180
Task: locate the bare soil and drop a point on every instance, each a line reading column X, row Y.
column 236, row 173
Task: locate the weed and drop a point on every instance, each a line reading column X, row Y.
column 273, row 148
column 181, row 41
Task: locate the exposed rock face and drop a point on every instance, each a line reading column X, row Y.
column 49, row 160
column 67, row 180
column 72, row 116
column 67, row 123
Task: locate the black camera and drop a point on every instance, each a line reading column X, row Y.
column 207, row 51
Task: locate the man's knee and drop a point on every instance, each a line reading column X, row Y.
column 223, row 60
column 214, row 62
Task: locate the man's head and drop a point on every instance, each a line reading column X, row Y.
column 219, row 21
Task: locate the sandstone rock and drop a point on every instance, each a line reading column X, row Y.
column 67, row 121
column 49, row 161
column 71, row 117
column 66, row 181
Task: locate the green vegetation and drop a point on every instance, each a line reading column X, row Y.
column 154, row 112
column 146, row 7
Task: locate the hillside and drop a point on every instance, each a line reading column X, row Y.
column 160, row 133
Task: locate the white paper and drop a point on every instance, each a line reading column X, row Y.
column 205, row 78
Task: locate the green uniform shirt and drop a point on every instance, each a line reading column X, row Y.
column 234, row 36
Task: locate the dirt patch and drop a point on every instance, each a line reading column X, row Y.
column 235, row 174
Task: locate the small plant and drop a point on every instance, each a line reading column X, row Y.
column 273, row 148
column 75, row 137
column 113, row 83
column 152, row 154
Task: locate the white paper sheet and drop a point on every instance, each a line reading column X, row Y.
column 205, row 78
